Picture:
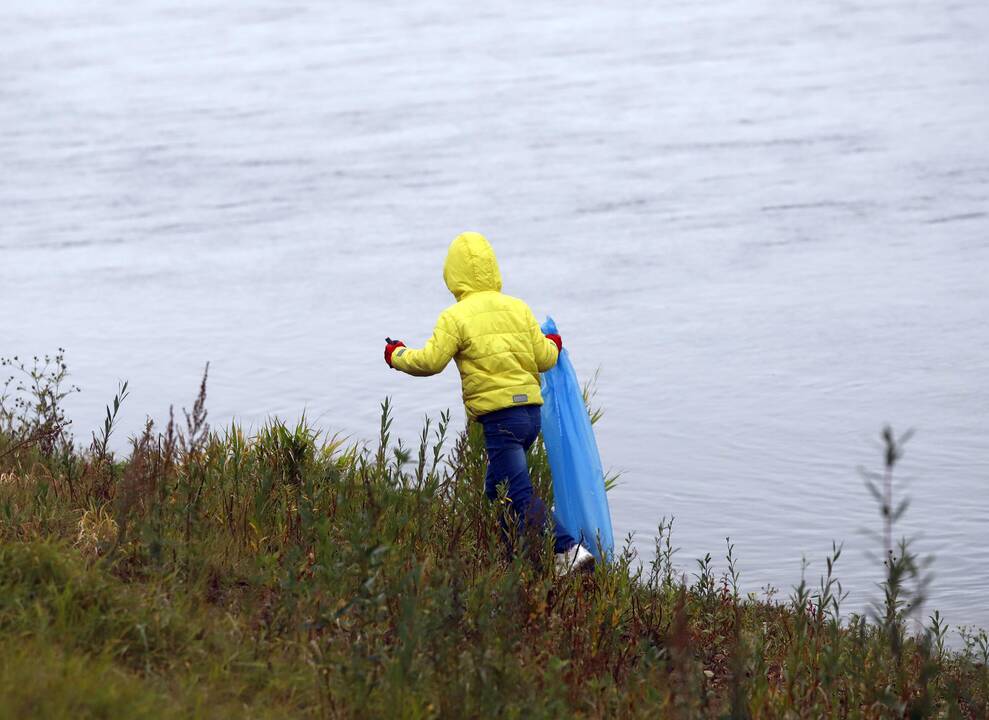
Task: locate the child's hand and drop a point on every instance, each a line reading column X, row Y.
column 557, row 339
column 390, row 346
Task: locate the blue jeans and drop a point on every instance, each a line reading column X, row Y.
column 508, row 435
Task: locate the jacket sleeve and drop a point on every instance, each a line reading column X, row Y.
column 544, row 349
column 435, row 354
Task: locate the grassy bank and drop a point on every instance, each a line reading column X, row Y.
column 287, row 574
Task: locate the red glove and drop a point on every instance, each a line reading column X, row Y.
column 390, row 348
column 557, row 339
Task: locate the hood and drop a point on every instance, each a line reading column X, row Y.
column 471, row 265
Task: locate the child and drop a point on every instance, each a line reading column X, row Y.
column 500, row 351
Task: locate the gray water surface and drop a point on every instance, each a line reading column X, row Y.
column 766, row 222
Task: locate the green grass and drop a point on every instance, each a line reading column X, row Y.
column 287, row 574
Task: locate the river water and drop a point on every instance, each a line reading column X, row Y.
column 765, row 222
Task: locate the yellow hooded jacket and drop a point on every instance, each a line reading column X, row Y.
column 495, row 339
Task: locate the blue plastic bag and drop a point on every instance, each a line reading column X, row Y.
column 578, row 480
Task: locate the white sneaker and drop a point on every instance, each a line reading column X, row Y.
column 576, row 558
